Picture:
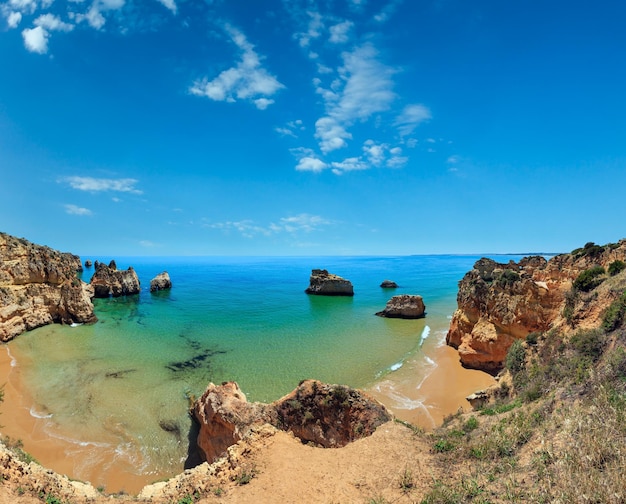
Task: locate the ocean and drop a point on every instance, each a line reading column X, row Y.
column 122, row 386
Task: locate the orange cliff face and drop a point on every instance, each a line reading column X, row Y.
column 499, row 303
column 39, row 286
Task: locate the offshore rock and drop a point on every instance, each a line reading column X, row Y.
column 88, row 264
column 499, row 303
column 160, row 282
column 389, row 284
column 39, row 286
column 324, row 283
column 109, row 281
column 404, row 306
column 330, row 416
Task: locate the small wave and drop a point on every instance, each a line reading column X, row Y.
column 35, row 414
column 396, row 366
column 13, row 360
column 75, row 324
column 425, row 334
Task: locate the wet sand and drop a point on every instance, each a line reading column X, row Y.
column 414, row 394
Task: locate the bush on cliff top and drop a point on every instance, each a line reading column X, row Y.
column 616, row 267
column 589, row 279
column 615, row 314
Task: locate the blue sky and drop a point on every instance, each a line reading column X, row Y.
column 170, row 127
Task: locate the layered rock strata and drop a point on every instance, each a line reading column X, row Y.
column 327, row 415
column 161, row 282
column 39, row 286
column 499, row 303
column 108, row 281
column 405, row 306
column 327, row 284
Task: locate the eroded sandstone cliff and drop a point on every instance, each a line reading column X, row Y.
column 109, row 281
column 39, row 286
column 498, row 303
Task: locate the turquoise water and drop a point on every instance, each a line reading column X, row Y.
column 245, row 319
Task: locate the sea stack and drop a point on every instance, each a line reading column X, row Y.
column 109, row 281
column 161, row 282
column 405, row 306
column 323, row 283
column 389, row 284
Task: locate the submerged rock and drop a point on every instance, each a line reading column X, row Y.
column 324, row 283
column 109, row 281
column 330, row 416
column 405, row 306
column 160, row 282
column 39, row 286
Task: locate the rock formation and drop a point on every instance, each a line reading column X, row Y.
column 388, row 284
column 404, row 306
column 327, row 415
column 498, row 303
column 39, row 286
column 109, row 281
column 88, row 264
column 326, row 284
column 160, row 282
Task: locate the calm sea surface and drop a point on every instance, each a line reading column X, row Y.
column 118, row 382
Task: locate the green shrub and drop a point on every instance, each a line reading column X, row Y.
column 516, row 357
column 616, row 267
column 470, row 424
column 615, row 314
column 589, row 279
column 589, row 343
column 443, row 445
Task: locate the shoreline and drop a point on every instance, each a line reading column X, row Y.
column 412, row 393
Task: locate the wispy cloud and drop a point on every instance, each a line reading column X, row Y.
column 411, row 117
column 313, row 31
column 248, row 80
column 293, row 224
column 76, row 210
column 95, row 14
column 339, row 33
column 170, row 4
column 92, row 184
column 13, row 19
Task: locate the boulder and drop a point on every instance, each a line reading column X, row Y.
column 88, row 264
column 330, row 416
column 388, row 284
column 404, row 306
column 160, row 282
column 108, row 281
column 39, row 286
column 324, row 283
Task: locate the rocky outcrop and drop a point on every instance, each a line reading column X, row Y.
column 389, row 284
column 39, row 286
column 499, row 303
column 326, row 284
column 404, row 306
column 108, row 281
column 161, row 282
column 327, row 415
column 88, row 264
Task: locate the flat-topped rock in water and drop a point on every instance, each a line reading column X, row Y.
column 109, row 281
column 323, row 283
column 161, row 282
column 39, row 286
column 389, row 284
column 405, row 306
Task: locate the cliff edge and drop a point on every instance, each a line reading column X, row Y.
column 499, row 303
column 39, row 286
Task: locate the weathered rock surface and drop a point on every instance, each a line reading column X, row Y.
column 499, row 303
column 39, row 286
column 327, row 415
column 405, row 306
column 88, row 264
column 326, row 284
column 109, row 281
column 389, row 284
column 161, row 282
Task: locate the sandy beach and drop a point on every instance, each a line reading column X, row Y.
column 427, row 399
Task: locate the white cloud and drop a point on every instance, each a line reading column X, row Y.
column 313, row 164
column 248, row 80
column 411, row 117
column 76, row 210
column 148, row 244
column 374, row 152
column 314, row 29
column 170, row 4
column 26, row 6
column 367, row 89
column 53, row 23
column 13, row 19
column 387, row 11
column 303, row 222
column 36, row 39
column 339, row 32
column 103, row 184
column 349, row 164
column 95, row 16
